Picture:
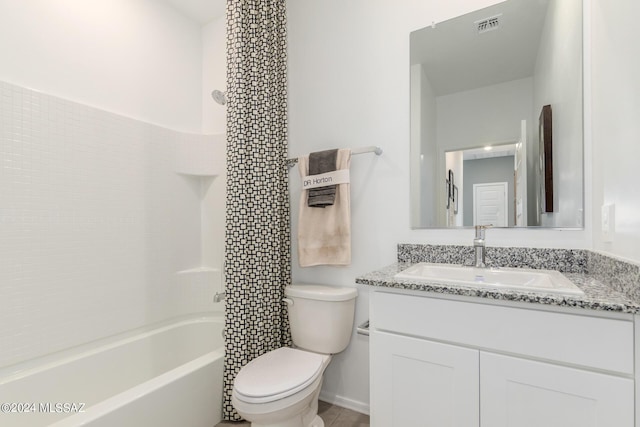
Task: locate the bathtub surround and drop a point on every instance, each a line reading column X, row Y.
column 96, row 223
column 257, row 244
column 88, row 218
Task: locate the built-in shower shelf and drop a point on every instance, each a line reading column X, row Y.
column 199, row 276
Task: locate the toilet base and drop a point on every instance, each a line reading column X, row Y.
column 303, row 413
column 317, row 422
column 302, row 420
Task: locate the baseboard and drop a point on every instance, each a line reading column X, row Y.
column 343, row 402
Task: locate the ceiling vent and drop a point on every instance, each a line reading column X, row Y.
column 488, row 24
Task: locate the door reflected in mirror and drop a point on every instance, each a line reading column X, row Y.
column 479, row 83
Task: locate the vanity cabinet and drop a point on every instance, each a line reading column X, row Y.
column 526, row 393
column 440, row 362
column 417, row 382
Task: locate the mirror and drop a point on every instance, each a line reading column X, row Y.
column 497, row 118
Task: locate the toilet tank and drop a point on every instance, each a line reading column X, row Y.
column 321, row 317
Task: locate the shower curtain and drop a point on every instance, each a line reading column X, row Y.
column 257, row 242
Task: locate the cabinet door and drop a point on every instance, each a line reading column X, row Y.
column 416, row 382
column 523, row 393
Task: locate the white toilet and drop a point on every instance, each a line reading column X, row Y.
column 281, row 387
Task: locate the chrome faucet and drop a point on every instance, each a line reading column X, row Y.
column 479, row 246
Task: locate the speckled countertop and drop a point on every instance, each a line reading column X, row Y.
column 598, row 295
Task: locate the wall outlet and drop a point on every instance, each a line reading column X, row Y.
column 608, row 222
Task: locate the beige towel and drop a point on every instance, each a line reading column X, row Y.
column 324, row 235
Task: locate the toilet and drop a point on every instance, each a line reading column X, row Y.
column 281, row 387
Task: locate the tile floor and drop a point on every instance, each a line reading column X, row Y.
column 333, row 416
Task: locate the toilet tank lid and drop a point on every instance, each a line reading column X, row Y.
column 320, row 292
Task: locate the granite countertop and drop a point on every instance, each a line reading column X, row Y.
column 597, row 294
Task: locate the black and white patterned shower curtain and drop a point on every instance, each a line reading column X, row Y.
column 257, row 243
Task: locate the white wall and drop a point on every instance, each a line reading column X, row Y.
column 349, row 87
column 214, row 75
column 136, row 58
column 558, row 63
column 616, row 128
column 483, row 116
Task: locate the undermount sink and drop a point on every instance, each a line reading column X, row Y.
column 519, row 279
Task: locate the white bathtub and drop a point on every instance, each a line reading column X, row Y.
column 170, row 375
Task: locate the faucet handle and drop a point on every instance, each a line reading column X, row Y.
column 219, row 296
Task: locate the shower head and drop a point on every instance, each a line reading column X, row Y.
column 219, row 96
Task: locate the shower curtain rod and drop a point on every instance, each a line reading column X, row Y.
column 362, row 150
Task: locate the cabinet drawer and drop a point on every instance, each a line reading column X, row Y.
column 574, row 339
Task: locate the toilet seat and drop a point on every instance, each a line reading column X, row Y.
column 278, row 374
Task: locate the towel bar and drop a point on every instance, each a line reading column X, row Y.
column 363, row 328
column 362, row 150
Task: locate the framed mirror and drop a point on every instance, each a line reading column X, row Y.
column 485, row 89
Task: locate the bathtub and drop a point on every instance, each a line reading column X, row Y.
column 166, row 375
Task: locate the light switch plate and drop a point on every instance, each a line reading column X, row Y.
column 608, row 222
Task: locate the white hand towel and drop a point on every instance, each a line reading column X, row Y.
column 324, row 235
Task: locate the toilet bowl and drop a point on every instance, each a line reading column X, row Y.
column 281, row 387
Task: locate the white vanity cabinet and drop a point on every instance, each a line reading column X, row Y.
column 441, row 362
column 526, row 393
column 416, row 382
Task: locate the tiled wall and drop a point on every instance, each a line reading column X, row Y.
column 94, row 225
